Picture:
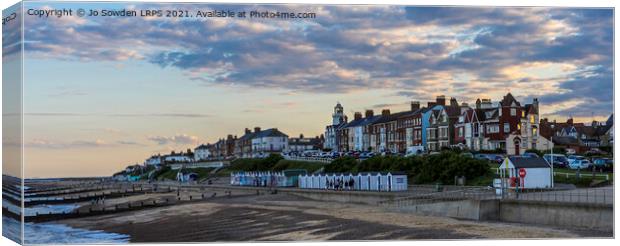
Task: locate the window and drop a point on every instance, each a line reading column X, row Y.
column 513, row 112
column 461, row 132
column 492, row 128
column 506, row 127
column 534, row 131
column 532, row 119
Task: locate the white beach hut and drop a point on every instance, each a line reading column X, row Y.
column 322, row 179
column 537, row 171
column 398, row 181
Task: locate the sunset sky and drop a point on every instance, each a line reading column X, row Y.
column 103, row 93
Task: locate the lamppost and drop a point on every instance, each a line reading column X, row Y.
column 552, row 157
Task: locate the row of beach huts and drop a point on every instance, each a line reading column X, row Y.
column 365, row 181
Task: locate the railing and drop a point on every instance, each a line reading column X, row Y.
column 588, row 196
column 471, row 193
column 313, row 159
column 426, row 194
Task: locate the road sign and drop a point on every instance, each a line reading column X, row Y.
column 522, row 172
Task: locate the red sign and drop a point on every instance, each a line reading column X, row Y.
column 522, row 172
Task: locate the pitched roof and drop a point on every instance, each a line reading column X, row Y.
column 508, row 100
column 273, row 132
column 247, row 136
column 363, row 121
column 202, row 146
column 391, row 117
column 565, row 140
column 453, row 111
column 528, row 162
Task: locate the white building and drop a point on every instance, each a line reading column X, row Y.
column 537, row 171
column 202, row 152
column 269, row 141
column 331, row 131
column 173, row 158
column 301, row 143
column 153, row 160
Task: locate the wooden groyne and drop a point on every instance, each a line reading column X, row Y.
column 96, row 210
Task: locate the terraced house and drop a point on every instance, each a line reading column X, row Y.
column 506, row 126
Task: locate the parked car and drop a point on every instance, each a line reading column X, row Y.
column 594, row 151
column 498, row 158
column 415, row 150
column 558, row 160
column 572, row 158
column 605, row 164
column 482, row 157
column 530, row 154
column 366, row 155
column 580, row 164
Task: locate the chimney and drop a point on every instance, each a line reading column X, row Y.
column 301, row 136
column 415, row 105
column 569, row 121
column 453, row 102
column 478, row 104
column 369, row 113
column 431, row 104
column 346, row 118
column 441, row 100
column 357, row 116
column 247, row 131
column 256, row 129
column 385, row 112
column 464, row 105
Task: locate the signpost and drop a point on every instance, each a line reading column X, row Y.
column 522, row 174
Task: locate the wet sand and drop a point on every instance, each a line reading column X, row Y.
column 284, row 217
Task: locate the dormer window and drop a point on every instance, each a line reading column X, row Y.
column 513, row 112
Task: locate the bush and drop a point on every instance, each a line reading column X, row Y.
column 421, row 169
column 288, row 164
column 342, row 164
column 445, row 166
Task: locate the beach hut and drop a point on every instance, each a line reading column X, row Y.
column 384, row 181
column 375, row 181
column 322, row 182
column 397, row 181
column 357, row 180
column 301, row 181
column 315, row 181
column 537, row 171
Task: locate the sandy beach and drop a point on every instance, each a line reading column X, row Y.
column 283, row 217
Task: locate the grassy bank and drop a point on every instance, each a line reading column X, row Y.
column 271, row 163
column 167, row 173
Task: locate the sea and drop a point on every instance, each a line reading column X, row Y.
column 54, row 233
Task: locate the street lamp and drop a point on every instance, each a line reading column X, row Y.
column 552, row 173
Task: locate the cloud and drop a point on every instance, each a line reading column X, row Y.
column 172, row 115
column 418, row 52
column 125, row 142
column 47, row 144
column 179, row 139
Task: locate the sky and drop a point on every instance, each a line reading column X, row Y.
column 103, row 93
